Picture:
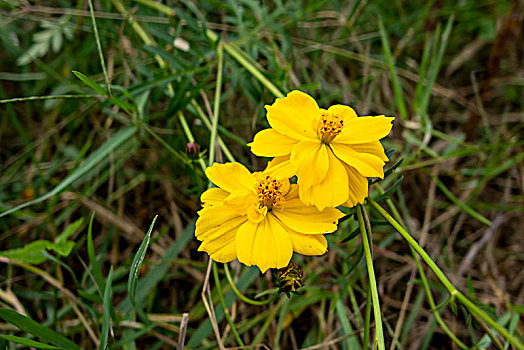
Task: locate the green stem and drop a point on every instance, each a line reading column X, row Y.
column 216, row 106
column 242, row 296
column 208, row 125
column 52, row 97
column 223, row 303
column 397, row 88
column 367, row 320
column 476, row 311
column 425, row 283
column 99, row 47
column 190, row 137
column 237, row 55
column 164, row 143
column 432, row 302
column 379, row 333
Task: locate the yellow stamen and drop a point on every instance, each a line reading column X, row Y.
column 329, row 126
column 269, row 192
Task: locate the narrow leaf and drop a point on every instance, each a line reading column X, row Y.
column 91, row 83
column 43, row 333
column 95, row 267
column 108, row 294
column 27, row 342
column 137, row 263
column 92, row 160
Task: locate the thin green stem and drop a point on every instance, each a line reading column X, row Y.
column 397, row 88
column 158, row 6
column 52, row 97
column 190, row 137
column 208, row 125
column 379, row 333
column 425, row 283
column 476, row 311
column 216, row 106
column 466, row 208
column 237, row 55
column 242, row 296
column 223, row 303
column 367, row 321
column 431, row 301
column 99, row 47
column 164, row 143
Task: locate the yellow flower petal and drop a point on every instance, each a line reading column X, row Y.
column 375, row 148
column 310, row 161
column 213, row 196
column 266, row 245
column 358, row 187
column 222, row 248
column 365, row 129
column 332, row 191
column 345, row 112
column 241, row 200
column 307, row 219
column 215, row 221
column 308, row 244
column 230, row 176
column 280, row 168
column 294, row 115
column 270, row 143
column 366, row 164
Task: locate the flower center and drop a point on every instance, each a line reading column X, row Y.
column 329, row 126
column 269, row 192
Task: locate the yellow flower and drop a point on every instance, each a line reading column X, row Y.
column 259, row 219
column 331, row 151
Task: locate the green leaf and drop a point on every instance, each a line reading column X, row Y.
column 137, row 263
column 91, row 83
column 27, row 342
column 390, row 190
column 108, row 294
column 91, row 161
column 31, row 253
column 43, row 333
column 62, row 246
column 157, row 272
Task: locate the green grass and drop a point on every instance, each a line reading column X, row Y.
column 96, row 108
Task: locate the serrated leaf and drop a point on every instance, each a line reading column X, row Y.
column 91, row 83
column 27, row 342
column 134, row 272
column 32, row 327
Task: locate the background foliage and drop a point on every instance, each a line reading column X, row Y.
column 451, row 72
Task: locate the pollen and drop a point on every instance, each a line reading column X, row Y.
column 329, row 126
column 269, row 192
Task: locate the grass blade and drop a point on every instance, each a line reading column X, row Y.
column 132, row 282
column 95, row 267
column 96, row 157
column 32, row 327
column 27, row 342
column 108, row 294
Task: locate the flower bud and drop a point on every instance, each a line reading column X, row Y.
column 291, row 278
column 192, row 150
